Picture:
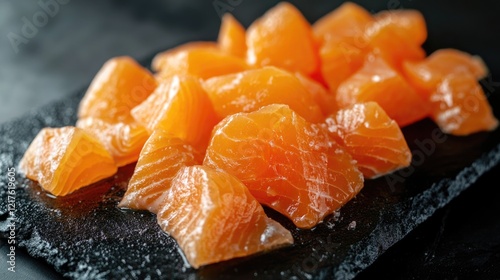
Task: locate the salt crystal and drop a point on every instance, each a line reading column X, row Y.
column 352, row 225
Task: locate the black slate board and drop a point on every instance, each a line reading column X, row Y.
column 85, row 236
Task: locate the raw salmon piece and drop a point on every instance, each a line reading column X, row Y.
column 373, row 139
column 287, row 163
column 388, row 40
column 119, row 86
column 159, row 161
column 282, row 37
column 161, row 59
column 410, row 23
column 213, row 217
column 249, row 90
column 379, row 82
column 427, row 74
column 123, row 141
column 198, row 62
column 347, row 22
column 181, row 107
column 460, row 107
column 343, row 45
column 232, row 37
column 63, row 160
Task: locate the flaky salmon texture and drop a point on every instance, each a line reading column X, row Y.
column 282, row 114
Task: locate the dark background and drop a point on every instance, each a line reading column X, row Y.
column 461, row 241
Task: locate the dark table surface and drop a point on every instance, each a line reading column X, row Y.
column 461, row 241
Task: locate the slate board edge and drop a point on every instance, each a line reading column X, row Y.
column 403, row 222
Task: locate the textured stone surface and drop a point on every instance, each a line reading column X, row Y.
column 460, row 241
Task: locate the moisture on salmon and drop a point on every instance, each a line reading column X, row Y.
column 213, row 217
column 160, row 159
column 287, row 163
column 373, row 139
column 63, row 160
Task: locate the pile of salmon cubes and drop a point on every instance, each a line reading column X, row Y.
column 284, row 114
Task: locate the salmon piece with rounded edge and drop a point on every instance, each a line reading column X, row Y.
column 372, row 138
column 249, row 90
column 232, row 36
column 65, row 159
column 160, row 60
column 198, row 62
column 459, row 105
column 378, row 81
column 181, row 107
column 427, row 74
column 347, row 22
column 388, row 40
column 213, row 217
column 282, row 37
column 410, row 23
column 123, row 141
column 343, row 46
column 160, row 159
column 119, row 86
column 287, row 163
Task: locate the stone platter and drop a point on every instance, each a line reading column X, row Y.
column 85, row 236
